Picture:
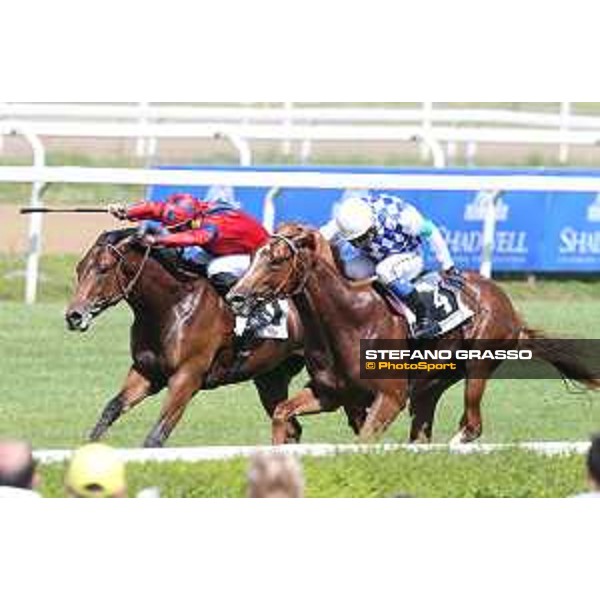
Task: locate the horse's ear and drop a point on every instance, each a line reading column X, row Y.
column 319, row 246
column 309, row 241
column 303, row 238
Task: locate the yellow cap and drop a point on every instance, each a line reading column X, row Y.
column 96, row 471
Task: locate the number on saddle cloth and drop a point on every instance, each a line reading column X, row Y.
column 442, row 300
column 447, row 306
column 445, row 302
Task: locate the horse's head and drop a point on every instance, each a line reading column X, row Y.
column 280, row 269
column 104, row 277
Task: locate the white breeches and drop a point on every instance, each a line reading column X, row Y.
column 400, row 267
column 236, row 264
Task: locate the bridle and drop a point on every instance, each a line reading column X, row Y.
column 297, row 262
column 126, row 289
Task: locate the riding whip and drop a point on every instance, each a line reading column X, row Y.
column 64, row 211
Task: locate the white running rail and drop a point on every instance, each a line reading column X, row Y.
column 217, row 453
column 290, row 113
column 149, row 122
column 300, row 179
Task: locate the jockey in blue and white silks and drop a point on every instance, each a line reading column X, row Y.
column 389, row 233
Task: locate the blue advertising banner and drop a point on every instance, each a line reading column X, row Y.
column 572, row 234
column 536, row 232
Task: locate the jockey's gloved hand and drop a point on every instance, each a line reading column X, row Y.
column 118, row 211
column 139, row 234
column 149, row 240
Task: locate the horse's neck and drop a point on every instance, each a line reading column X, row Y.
column 157, row 291
column 329, row 300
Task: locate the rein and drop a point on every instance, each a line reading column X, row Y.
column 126, row 290
column 296, row 262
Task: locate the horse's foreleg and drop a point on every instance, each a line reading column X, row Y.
column 182, row 388
column 273, row 389
column 424, row 403
column 357, row 416
column 136, row 389
column 385, row 410
column 471, row 424
column 305, row 403
column 423, row 409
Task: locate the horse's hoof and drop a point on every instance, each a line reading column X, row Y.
column 459, row 440
column 153, row 445
column 463, row 439
column 95, row 436
column 420, row 440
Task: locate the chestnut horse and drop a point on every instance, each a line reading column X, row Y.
column 337, row 314
column 182, row 337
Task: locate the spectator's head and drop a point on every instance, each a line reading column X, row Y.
column 275, row 476
column 17, row 467
column 96, row 471
column 594, row 464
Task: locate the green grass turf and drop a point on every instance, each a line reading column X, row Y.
column 503, row 475
column 54, row 383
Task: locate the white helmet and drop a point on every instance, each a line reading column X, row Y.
column 355, row 218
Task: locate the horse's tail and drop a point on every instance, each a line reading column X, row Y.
column 567, row 356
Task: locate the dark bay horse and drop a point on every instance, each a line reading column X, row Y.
column 338, row 314
column 182, row 337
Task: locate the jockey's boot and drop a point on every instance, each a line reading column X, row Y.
column 426, row 327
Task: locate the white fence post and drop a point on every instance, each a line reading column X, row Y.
column 240, row 144
column 434, row 148
column 36, row 221
column 270, row 210
column 471, row 153
column 306, row 151
column 427, row 128
column 286, row 147
column 489, row 233
column 565, row 124
column 145, row 145
column 3, row 113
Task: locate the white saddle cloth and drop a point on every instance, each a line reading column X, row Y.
column 279, row 331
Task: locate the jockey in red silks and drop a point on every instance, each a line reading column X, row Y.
column 215, row 235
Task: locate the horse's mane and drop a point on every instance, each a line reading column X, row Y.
column 115, row 237
column 168, row 259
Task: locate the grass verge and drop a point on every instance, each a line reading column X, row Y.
column 511, row 474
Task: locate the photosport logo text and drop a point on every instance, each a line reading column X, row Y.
column 452, row 359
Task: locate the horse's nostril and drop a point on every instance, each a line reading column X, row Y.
column 74, row 318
